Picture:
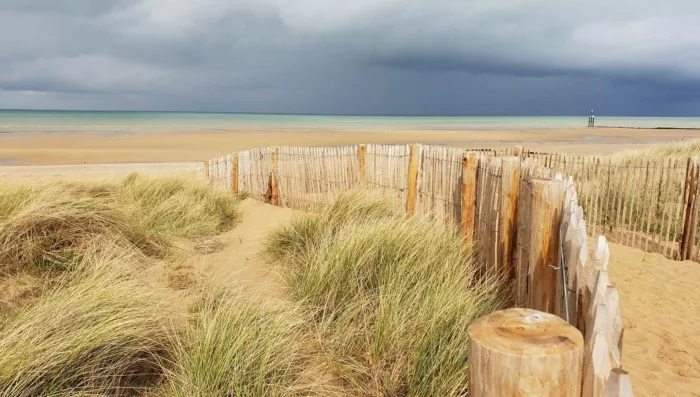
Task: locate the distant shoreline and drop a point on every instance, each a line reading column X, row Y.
column 649, row 128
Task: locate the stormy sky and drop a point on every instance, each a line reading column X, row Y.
column 455, row 57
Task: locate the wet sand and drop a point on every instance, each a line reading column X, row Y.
column 186, row 146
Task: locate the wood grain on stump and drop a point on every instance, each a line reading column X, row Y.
column 523, row 352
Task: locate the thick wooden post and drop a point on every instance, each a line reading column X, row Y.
column 361, row 152
column 522, row 352
column 412, row 179
column 206, row 169
column 510, row 181
column 234, row 173
column 546, row 213
column 690, row 194
column 470, row 164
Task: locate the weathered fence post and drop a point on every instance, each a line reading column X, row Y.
column 522, row 352
column 361, row 152
column 234, row 173
column 510, row 181
column 518, row 151
column 412, row 179
column 470, row 164
column 546, row 213
column 690, row 194
column 618, row 385
column 274, row 182
column 206, row 169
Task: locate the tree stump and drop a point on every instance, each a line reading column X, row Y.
column 523, row 352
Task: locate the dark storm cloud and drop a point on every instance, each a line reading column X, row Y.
column 365, row 56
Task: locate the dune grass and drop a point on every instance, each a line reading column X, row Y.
column 380, row 303
column 660, row 152
column 392, row 296
column 98, row 331
column 240, row 345
column 47, row 225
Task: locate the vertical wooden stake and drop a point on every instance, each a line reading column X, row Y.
column 274, row 182
column 693, row 217
column 691, row 185
column 206, row 169
column 470, row 164
column 412, row 179
column 518, row 151
column 361, row 152
column 521, row 352
column 618, row 385
column 546, row 214
column 510, row 182
column 234, row 173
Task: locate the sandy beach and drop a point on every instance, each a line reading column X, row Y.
column 186, row 146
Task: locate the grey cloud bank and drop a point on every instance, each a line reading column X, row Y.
column 367, row 56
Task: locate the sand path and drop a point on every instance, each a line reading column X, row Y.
column 240, row 263
column 661, row 313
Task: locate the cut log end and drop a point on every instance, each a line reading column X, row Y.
column 526, row 353
column 526, row 332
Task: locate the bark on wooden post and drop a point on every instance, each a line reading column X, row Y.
column 546, row 213
column 691, row 186
column 234, row 173
column 206, row 169
column 510, row 181
column 412, row 179
column 361, row 152
column 522, row 352
column 470, row 164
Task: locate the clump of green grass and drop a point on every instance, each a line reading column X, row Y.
column 241, row 346
column 178, row 205
column 98, row 331
column 392, row 296
column 47, row 225
column 295, row 241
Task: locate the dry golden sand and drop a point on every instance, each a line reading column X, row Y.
column 660, row 307
column 186, row 146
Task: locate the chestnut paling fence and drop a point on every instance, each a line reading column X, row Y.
column 643, row 203
column 523, row 211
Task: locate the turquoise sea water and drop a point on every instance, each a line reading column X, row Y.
column 31, row 121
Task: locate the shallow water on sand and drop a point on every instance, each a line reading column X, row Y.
column 116, row 123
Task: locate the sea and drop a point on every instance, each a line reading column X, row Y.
column 53, row 121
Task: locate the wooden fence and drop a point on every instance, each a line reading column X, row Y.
column 647, row 204
column 523, row 211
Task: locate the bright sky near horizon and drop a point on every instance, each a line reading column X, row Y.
column 462, row 57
